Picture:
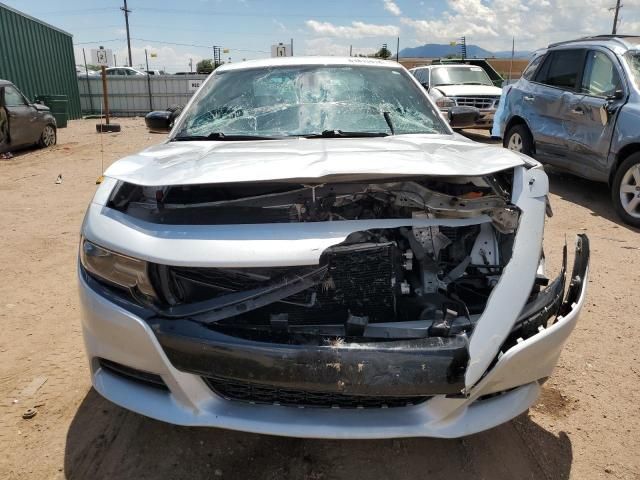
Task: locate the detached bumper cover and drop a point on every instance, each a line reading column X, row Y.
column 401, row 368
column 117, row 334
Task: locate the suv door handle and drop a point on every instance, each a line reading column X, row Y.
column 577, row 111
column 528, row 99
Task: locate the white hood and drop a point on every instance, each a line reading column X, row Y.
column 469, row 90
column 201, row 162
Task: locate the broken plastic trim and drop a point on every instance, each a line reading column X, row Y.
column 210, row 311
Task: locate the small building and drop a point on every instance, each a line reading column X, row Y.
column 38, row 58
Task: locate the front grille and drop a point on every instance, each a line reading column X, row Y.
column 269, row 395
column 477, row 102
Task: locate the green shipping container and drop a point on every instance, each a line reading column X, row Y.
column 38, row 58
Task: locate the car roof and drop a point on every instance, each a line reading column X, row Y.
column 291, row 61
column 5, row 82
column 614, row 42
column 452, row 65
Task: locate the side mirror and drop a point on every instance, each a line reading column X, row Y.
column 461, row 117
column 617, row 95
column 425, row 86
column 159, row 122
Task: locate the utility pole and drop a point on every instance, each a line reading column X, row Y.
column 615, row 17
column 398, row 51
column 191, row 65
column 126, row 21
column 292, row 47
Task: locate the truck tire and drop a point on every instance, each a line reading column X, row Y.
column 625, row 190
column 519, row 139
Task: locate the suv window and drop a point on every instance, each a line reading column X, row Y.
column 421, row 75
column 562, row 68
column 530, row 71
column 12, row 97
column 601, row 78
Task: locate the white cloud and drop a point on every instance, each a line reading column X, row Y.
column 280, row 25
column 326, row 46
column 534, row 23
column 355, row 30
column 392, row 7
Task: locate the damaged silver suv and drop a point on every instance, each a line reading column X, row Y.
column 313, row 252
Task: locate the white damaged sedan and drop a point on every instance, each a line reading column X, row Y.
column 314, row 253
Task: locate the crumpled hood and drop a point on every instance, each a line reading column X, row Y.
column 469, row 90
column 198, row 162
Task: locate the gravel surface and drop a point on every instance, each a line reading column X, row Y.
column 584, row 426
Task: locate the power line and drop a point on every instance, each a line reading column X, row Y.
column 99, row 41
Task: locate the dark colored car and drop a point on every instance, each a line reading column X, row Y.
column 577, row 107
column 24, row 123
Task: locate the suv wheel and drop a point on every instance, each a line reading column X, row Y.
column 48, row 137
column 625, row 191
column 519, row 139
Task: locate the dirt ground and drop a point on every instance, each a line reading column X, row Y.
column 585, row 425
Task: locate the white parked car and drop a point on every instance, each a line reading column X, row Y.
column 313, row 252
column 124, row 71
column 458, row 85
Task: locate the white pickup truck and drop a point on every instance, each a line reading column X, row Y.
column 461, row 86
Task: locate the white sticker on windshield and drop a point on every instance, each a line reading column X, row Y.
column 476, row 69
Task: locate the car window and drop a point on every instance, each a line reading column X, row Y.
column 562, row 69
column 12, row 97
column 460, row 75
column 421, row 75
column 601, row 78
column 530, row 71
column 633, row 61
column 308, row 99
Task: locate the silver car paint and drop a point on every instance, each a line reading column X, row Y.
column 187, row 163
column 114, row 333
column 580, row 144
column 302, row 244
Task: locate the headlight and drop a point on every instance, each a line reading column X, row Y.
column 119, row 270
column 445, row 102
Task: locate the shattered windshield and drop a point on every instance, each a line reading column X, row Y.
column 459, row 76
column 309, row 100
column 633, row 59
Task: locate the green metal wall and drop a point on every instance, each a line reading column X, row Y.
column 37, row 58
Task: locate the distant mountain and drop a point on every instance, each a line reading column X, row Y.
column 435, row 50
column 517, row 54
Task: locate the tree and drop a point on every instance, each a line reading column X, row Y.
column 205, row 66
column 384, row 52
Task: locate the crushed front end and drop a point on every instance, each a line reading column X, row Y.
column 349, row 306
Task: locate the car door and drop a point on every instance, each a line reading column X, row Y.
column 552, row 101
column 602, row 94
column 23, row 118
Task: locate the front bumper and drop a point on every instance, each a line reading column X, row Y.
column 115, row 333
column 483, row 121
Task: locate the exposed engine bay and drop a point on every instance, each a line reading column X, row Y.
column 378, row 284
column 413, row 281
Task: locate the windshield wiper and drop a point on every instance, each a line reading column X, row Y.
column 343, row 134
column 220, row 136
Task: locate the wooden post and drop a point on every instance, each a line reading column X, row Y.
column 105, row 94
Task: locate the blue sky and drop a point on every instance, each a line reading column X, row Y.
column 178, row 31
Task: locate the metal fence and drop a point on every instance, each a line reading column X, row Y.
column 134, row 96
